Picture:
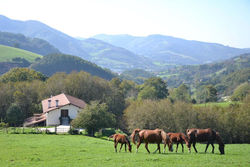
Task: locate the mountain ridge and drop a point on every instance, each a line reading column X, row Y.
column 168, row 49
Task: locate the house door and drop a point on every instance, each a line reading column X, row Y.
column 65, row 117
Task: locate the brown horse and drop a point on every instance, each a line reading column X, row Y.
column 120, row 138
column 166, row 141
column 147, row 136
column 204, row 135
column 178, row 138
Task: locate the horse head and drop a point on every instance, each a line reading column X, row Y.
column 191, row 137
column 220, row 142
column 129, row 147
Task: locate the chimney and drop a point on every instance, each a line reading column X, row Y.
column 57, row 101
column 49, row 103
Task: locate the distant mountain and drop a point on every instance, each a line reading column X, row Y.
column 34, row 45
column 99, row 52
column 164, row 50
column 35, row 29
column 51, row 64
column 115, row 58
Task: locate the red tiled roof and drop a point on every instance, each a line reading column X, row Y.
column 63, row 99
column 35, row 119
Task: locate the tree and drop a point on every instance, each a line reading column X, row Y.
column 207, row 93
column 156, row 86
column 148, row 93
column 22, row 74
column 94, row 117
column 14, row 115
column 129, row 89
column 181, row 93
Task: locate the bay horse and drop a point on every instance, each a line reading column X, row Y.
column 147, row 136
column 204, row 135
column 178, row 138
column 122, row 139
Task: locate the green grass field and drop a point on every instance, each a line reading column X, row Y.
column 8, row 53
column 25, row 150
column 219, row 104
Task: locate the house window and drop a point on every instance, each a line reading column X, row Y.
column 57, row 101
column 64, row 113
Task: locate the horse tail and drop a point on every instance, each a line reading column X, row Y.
column 134, row 134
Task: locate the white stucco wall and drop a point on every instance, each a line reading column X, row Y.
column 53, row 116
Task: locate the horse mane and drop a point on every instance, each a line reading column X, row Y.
column 133, row 135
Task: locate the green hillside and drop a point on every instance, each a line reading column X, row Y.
column 8, row 53
column 225, row 76
column 54, row 63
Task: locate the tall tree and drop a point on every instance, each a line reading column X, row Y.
column 181, row 93
column 94, row 117
column 14, row 115
column 156, row 86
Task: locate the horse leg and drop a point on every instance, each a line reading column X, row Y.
column 207, row 147
column 121, row 147
column 164, row 147
column 213, row 147
column 125, row 147
column 177, row 144
column 115, row 145
column 146, row 146
column 182, row 147
column 159, row 148
column 195, row 148
column 138, row 145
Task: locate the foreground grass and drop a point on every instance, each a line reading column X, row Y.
column 68, row 150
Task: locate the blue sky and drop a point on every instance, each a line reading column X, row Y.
column 219, row 21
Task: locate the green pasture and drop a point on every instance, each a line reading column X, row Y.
column 8, row 53
column 219, row 104
column 24, row 150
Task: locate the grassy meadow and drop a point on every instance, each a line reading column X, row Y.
column 8, row 53
column 24, row 150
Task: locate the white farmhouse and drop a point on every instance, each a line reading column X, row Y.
column 57, row 110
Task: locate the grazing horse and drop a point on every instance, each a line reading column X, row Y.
column 178, row 138
column 204, row 135
column 120, row 138
column 147, row 136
